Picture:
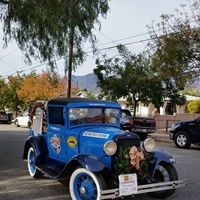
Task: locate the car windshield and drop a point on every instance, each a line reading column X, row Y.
column 93, row 115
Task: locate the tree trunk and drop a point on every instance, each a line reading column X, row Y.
column 135, row 102
column 71, row 46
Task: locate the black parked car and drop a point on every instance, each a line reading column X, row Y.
column 186, row 133
column 126, row 120
column 142, row 126
column 5, row 117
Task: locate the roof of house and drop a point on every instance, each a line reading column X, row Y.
column 190, row 98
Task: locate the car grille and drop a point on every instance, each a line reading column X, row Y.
column 125, row 141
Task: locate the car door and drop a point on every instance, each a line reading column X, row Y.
column 56, row 134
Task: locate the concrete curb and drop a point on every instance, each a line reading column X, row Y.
column 163, row 137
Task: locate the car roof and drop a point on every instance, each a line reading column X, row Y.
column 65, row 101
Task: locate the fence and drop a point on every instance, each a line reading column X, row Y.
column 166, row 121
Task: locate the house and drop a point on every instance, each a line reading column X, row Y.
column 143, row 110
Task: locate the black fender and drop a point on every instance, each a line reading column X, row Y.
column 86, row 161
column 159, row 156
column 40, row 147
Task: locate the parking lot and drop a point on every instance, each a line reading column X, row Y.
column 15, row 183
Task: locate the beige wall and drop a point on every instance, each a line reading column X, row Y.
column 163, row 120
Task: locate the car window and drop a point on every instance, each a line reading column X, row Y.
column 93, row 115
column 25, row 114
column 56, row 115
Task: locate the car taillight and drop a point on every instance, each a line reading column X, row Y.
column 132, row 121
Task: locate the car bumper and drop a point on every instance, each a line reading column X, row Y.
column 171, row 135
column 155, row 187
column 142, row 130
column 4, row 120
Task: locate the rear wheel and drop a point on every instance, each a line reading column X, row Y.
column 84, row 184
column 164, row 172
column 33, row 171
column 182, row 140
column 16, row 123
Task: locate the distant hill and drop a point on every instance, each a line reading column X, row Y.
column 88, row 81
column 194, row 84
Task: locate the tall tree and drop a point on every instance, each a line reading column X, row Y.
column 175, row 44
column 132, row 76
column 128, row 76
column 8, row 93
column 39, row 87
column 13, row 100
column 52, row 29
column 3, row 89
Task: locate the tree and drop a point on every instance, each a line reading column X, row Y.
column 13, row 100
column 194, row 106
column 8, row 93
column 134, row 77
column 175, row 45
column 51, row 29
column 191, row 91
column 39, row 87
column 3, row 89
column 129, row 76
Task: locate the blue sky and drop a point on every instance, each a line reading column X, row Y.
column 126, row 18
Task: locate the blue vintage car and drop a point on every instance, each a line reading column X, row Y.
column 80, row 140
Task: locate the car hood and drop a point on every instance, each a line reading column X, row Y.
column 101, row 132
column 92, row 139
column 178, row 124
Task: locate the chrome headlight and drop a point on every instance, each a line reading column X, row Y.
column 149, row 144
column 110, row 148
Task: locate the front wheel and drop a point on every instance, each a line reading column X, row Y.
column 33, row 171
column 182, row 140
column 84, row 184
column 164, row 172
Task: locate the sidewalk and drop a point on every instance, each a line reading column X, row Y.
column 161, row 135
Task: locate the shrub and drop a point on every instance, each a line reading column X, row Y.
column 194, row 106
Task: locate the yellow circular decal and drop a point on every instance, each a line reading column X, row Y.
column 71, row 141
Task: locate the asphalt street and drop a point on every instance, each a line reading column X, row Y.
column 16, row 184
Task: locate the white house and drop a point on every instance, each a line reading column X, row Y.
column 143, row 110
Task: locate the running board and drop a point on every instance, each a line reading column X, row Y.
column 155, row 187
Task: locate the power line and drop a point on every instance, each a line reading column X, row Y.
column 122, row 39
column 9, row 53
column 20, row 70
column 101, row 49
